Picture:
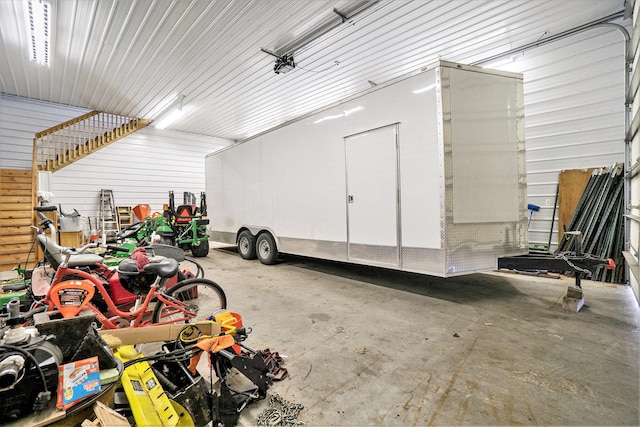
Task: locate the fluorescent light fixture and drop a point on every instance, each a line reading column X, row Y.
column 38, row 28
column 172, row 116
column 424, row 89
column 339, row 115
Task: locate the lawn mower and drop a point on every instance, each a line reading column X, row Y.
column 184, row 226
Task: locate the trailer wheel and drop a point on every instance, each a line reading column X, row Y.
column 266, row 250
column 247, row 245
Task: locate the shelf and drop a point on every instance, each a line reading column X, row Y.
column 125, row 216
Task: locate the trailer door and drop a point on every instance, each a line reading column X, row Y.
column 372, row 196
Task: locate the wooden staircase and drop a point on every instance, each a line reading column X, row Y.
column 53, row 149
column 75, row 139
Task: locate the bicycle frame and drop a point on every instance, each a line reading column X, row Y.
column 98, row 277
column 137, row 318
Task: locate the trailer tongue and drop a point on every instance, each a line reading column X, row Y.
column 579, row 263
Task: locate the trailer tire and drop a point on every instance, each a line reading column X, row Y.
column 266, row 249
column 247, row 245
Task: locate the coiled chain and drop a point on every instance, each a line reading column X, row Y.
column 281, row 412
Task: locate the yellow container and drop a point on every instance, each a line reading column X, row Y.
column 149, row 403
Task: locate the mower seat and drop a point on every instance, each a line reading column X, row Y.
column 53, row 254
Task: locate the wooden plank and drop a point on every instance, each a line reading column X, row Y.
column 15, row 178
column 16, row 206
column 14, row 172
column 13, row 184
column 16, row 248
column 15, row 240
column 109, row 417
column 5, row 200
column 24, row 229
column 13, row 218
column 17, row 215
column 13, row 190
column 15, row 259
column 10, row 249
column 571, row 185
column 26, row 191
column 22, row 186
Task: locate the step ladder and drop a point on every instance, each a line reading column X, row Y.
column 108, row 220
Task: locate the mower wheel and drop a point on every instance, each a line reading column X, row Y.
column 165, row 240
column 201, row 250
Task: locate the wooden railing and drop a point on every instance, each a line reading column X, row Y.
column 75, row 139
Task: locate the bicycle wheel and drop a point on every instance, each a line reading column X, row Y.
column 188, row 301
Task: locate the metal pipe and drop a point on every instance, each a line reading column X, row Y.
column 345, row 17
column 562, row 35
column 628, row 100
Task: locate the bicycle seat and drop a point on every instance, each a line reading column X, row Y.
column 53, row 253
column 166, row 267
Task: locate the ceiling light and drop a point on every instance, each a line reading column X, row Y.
column 38, row 13
column 172, row 116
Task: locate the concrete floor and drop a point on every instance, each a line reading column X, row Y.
column 366, row 346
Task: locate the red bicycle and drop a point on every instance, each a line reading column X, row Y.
column 148, row 294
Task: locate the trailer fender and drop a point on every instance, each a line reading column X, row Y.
column 256, row 230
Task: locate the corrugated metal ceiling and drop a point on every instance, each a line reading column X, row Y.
column 134, row 57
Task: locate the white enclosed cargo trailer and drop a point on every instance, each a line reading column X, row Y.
column 425, row 174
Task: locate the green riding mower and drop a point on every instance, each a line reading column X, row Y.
column 184, row 226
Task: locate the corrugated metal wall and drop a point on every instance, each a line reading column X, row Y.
column 574, row 114
column 140, row 168
column 20, row 119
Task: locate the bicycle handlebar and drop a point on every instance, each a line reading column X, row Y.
column 46, row 222
column 73, row 251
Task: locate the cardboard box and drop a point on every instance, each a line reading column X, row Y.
column 78, row 380
column 156, row 333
